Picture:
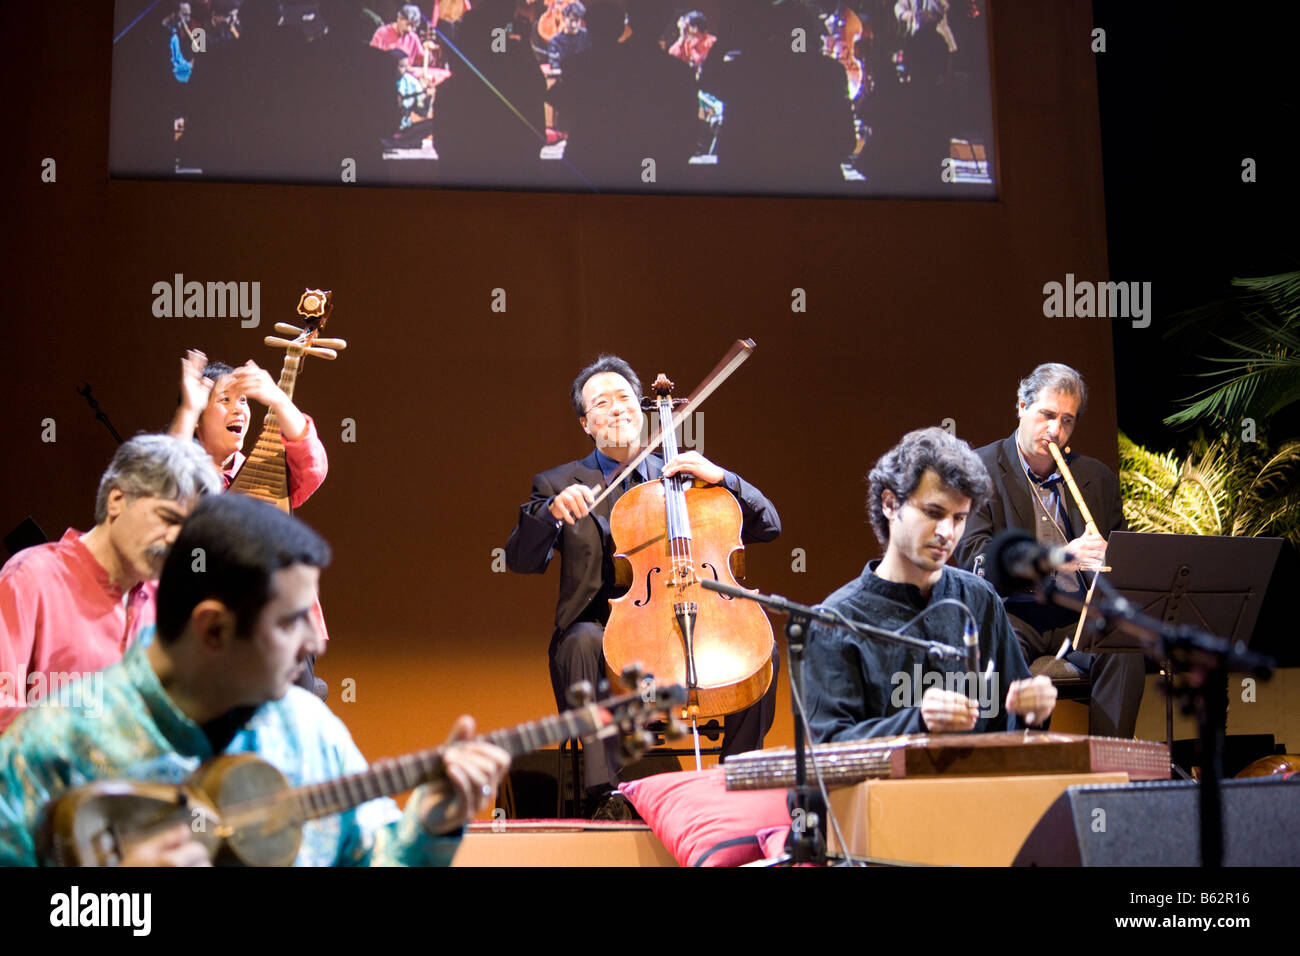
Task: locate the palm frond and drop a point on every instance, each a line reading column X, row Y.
column 1281, row 290
column 1163, row 495
column 1255, row 383
column 1224, row 486
column 1271, row 503
column 1259, row 373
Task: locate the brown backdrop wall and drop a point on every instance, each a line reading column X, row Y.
column 916, row 312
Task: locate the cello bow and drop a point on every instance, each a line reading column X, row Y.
column 735, row 357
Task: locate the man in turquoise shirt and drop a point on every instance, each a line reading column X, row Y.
column 233, row 632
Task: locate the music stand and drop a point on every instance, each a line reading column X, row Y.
column 1211, row 582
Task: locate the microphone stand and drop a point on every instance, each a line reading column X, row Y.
column 807, row 845
column 1206, row 661
column 84, row 392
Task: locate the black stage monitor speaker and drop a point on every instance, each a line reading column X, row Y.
column 1158, row 824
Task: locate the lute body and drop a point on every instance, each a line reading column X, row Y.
column 243, row 810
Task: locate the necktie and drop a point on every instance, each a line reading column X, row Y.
column 625, row 485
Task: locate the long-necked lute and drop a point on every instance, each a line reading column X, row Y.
column 265, row 473
column 244, row 812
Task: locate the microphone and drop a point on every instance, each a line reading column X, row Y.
column 971, row 638
column 1016, row 560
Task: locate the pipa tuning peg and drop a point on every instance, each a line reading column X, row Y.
column 284, row 328
column 315, row 303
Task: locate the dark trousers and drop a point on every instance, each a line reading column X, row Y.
column 1117, row 679
column 578, row 655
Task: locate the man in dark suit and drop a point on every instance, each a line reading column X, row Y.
column 1030, row 493
column 558, row 517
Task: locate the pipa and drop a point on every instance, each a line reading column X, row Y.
column 265, row 473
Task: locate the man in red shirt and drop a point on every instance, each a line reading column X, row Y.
column 74, row 606
column 403, row 33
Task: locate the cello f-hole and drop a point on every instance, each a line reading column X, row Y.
column 646, row 600
column 708, row 565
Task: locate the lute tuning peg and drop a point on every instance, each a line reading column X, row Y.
column 580, row 694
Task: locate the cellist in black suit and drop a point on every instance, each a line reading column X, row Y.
column 558, row 518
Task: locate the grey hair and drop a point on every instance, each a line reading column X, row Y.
column 411, row 13
column 157, row 466
column 1052, row 377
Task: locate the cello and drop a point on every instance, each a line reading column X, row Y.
column 551, row 21
column 672, row 531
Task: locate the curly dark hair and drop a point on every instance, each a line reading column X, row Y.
column 927, row 449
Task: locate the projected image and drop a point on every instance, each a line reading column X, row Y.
column 884, row 98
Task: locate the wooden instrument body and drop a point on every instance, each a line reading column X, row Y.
column 733, row 638
column 920, row 755
column 87, row 826
column 551, row 21
column 1273, row 765
column 265, row 473
column 245, row 779
column 96, row 825
column 245, row 813
column 842, row 45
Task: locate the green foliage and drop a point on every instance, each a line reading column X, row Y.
column 1260, row 373
column 1224, row 487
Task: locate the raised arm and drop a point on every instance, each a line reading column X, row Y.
column 195, row 392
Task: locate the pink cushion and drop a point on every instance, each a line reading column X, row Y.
column 771, row 841
column 692, row 812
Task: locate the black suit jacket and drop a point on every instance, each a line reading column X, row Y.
column 586, row 545
column 1010, row 505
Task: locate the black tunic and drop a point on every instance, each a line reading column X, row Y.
column 858, row 687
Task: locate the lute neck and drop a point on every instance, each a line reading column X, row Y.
column 399, row 774
column 288, row 379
